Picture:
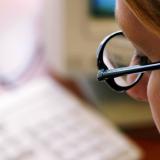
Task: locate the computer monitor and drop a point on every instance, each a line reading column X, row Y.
column 102, row 8
column 75, row 28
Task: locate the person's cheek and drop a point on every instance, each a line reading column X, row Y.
column 153, row 92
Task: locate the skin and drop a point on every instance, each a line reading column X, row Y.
column 146, row 43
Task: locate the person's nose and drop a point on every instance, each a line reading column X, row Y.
column 139, row 91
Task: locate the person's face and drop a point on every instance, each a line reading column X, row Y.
column 148, row 44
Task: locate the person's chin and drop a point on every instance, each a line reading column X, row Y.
column 153, row 92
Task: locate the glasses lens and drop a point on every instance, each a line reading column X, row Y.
column 119, row 52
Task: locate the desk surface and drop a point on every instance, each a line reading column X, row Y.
column 147, row 138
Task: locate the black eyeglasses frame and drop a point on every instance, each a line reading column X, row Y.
column 108, row 75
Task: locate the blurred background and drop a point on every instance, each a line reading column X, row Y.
column 74, row 30
column 60, row 38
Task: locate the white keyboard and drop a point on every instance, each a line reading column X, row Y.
column 42, row 121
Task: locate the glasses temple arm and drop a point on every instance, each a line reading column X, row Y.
column 113, row 73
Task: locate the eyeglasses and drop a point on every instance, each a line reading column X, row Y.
column 119, row 64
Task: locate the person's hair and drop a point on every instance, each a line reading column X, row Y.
column 148, row 12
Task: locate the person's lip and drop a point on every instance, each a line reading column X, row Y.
column 138, row 98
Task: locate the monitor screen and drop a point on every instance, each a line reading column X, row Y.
column 102, row 8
